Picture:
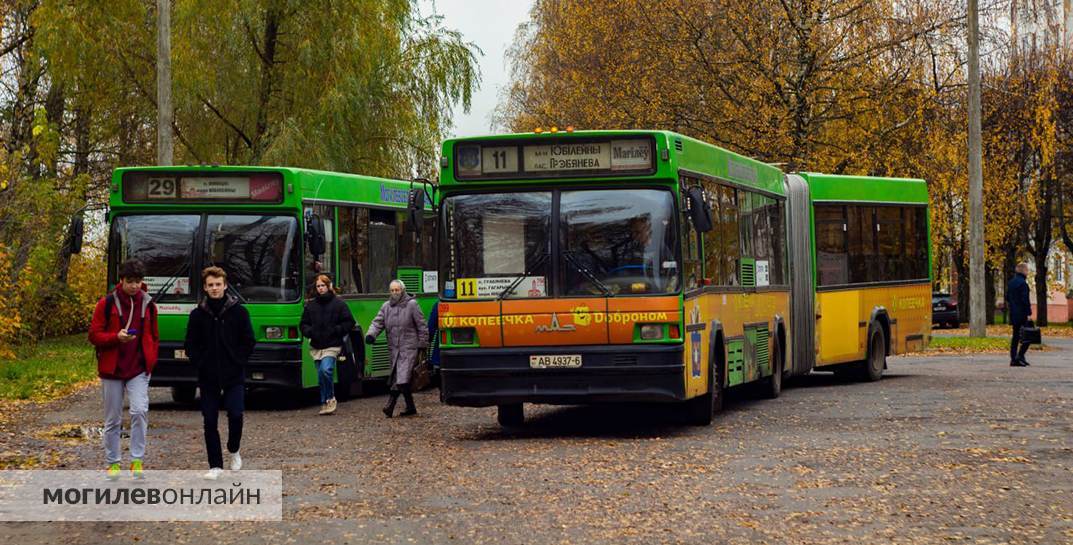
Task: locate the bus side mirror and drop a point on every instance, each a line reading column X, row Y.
column 416, row 205
column 699, row 213
column 315, row 236
column 75, row 232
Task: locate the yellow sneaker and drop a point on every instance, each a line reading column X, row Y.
column 113, row 472
column 136, row 469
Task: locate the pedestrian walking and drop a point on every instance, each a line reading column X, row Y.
column 219, row 341
column 326, row 320
column 407, row 336
column 124, row 332
column 1019, row 308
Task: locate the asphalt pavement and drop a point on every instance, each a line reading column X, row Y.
column 944, row 449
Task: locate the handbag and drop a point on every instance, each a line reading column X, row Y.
column 1030, row 334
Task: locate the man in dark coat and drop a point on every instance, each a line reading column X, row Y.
column 219, row 341
column 1020, row 309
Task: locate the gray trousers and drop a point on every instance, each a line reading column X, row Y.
column 137, row 390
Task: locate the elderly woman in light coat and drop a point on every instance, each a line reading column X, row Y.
column 407, row 334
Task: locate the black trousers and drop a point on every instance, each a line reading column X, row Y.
column 233, row 400
column 1016, row 352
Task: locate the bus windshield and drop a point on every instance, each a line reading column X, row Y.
column 610, row 242
column 165, row 244
column 259, row 253
column 495, row 239
column 612, row 245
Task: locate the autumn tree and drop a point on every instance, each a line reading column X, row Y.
column 364, row 86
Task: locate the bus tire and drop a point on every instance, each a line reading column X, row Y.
column 701, row 409
column 349, row 385
column 871, row 369
column 511, row 415
column 771, row 386
column 184, row 394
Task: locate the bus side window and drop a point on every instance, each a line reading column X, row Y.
column 324, row 264
column 353, row 250
column 832, row 263
column 730, row 229
column 383, row 255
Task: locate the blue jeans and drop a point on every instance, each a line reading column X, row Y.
column 326, row 378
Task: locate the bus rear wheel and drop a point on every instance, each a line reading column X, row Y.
column 772, row 386
column 871, row 369
column 511, row 415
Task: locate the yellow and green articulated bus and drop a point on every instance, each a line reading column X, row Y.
column 626, row 266
column 271, row 229
column 869, row 257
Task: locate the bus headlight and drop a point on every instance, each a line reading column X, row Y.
column 651, row 332
column 273, row 332
column 463, row 335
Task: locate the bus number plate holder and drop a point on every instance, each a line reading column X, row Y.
column 556, row 361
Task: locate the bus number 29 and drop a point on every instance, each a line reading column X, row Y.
column 161, row 188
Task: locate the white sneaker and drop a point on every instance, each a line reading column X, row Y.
column 213, row 473
column 236, row 461
column 330, row 408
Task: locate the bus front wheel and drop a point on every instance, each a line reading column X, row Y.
column 511, row 415
column 183, row 394
column 701, row 409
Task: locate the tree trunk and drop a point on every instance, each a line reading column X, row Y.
column 1041, row 293
column 989, row 295
column 268, row 66
column 961, row 268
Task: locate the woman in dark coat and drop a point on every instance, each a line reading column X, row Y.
column 326, row 319
column 407, row 334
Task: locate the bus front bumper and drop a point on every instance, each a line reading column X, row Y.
column 482, row 377
column 273, row 365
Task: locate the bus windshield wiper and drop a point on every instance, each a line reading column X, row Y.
column 185, row 269
column 587, row 273
column 234, row 290
column 540, row 261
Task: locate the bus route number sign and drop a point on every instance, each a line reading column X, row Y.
column 161, row 188
column 556, row 158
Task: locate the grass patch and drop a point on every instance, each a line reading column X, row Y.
column 50, row 369
column 974, row 345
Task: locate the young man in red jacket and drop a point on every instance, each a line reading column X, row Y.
column 124, row 331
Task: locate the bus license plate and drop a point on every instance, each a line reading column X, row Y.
column 555, row 361
column 181, row 355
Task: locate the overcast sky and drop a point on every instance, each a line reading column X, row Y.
column 490, row 24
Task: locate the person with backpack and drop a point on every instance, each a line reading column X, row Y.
column 127, row 340
column 326, row 320
column 401, row 319
column 219, row 341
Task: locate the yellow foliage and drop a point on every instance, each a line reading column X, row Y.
column 10, row 317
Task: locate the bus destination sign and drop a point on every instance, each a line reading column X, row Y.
column 562, row 158
column 152, row 187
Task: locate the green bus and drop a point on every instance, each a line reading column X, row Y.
column 630, row 266
column 262, row 225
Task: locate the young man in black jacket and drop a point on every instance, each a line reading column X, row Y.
column 219, row 340
column 1020, row 308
